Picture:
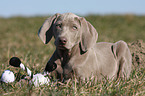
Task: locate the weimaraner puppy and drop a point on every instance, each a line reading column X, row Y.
column 77, row 51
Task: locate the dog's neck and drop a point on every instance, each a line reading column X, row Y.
column 65, row 55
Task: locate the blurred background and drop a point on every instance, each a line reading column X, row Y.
column 10, row 8
column 20, row 21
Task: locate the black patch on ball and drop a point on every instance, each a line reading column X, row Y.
column 15, row 61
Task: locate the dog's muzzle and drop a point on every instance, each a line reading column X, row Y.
column 62, row 42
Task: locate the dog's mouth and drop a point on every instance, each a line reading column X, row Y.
column 62, row 47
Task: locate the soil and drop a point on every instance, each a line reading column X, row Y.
column 137, row 49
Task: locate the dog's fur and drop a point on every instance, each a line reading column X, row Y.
column 77, row 50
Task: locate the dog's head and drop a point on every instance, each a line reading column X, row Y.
column 68, row 30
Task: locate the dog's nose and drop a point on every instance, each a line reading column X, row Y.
column 62, row 40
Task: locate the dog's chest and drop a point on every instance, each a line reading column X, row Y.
column 84, row 65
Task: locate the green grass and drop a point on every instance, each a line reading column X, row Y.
column 18, row 37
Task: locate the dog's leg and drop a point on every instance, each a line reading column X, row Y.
column 120, row 73
column 54, row 67
column 120, row 51
column 52, row 63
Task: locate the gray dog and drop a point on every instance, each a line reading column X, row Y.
column 77, row 51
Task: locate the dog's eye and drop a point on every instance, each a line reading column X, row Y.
column 75, row 28
column 58, row 25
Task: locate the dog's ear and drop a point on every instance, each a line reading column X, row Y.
column 46, row 31
column 89, row 35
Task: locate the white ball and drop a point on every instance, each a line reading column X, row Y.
column 39, row 79
column 8, row 76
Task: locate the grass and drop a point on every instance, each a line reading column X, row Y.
column 18, row 37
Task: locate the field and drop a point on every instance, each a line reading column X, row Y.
column 18, row 37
